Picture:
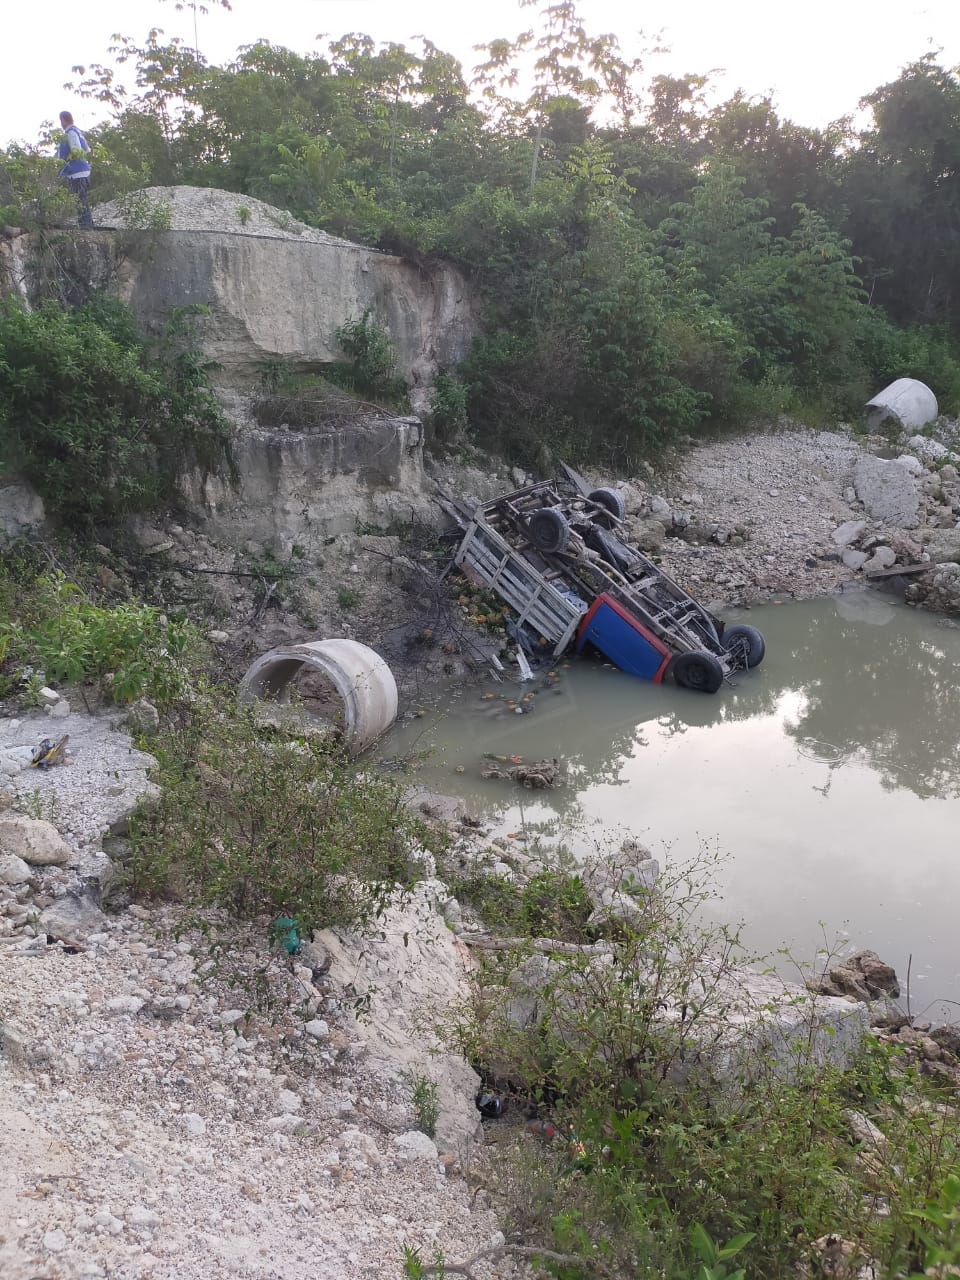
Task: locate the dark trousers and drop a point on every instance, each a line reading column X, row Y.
column 80, row 187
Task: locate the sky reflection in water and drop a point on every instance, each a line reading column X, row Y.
column 829, row 778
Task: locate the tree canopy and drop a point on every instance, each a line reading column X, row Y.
column 649, row 263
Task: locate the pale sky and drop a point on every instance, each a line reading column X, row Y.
column 816, row 58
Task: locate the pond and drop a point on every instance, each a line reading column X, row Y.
column 828, row 779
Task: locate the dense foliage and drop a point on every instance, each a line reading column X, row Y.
column 767, row 1157
column 97, row 422
column 649, row 263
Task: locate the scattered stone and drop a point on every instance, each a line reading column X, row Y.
column 14, row 870
column 48, row 697
column 140, row 1216
column 854, row 559
column 864, row 1130
column 863, row 976
column 927, row 449
column 943, row 545
column 34, row 840
column 315, row 956
column 55, row 1241
column 218, row 637
column 414, row 1145
column 882, row 558
column 143, row 718
column 125, row 1004
column 848, row 532
column 318, row 1029
column 948, row 1038
column 195, row 1125
column 72, row 918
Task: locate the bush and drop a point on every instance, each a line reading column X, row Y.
column 664, row 1168
column 94, row 422
column 264, row 824
column 133, row 650
column 372, row 363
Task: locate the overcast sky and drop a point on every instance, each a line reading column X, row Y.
column 817, row 58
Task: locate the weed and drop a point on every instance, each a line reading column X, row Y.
column 425, row 1095
column 132, row 650
column 675, row 1171
column 243, row 214
column 348, row 598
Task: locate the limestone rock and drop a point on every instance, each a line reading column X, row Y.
column 143, row 718
column 887, row 491
column 863, row 976
column 72, row 918
column 21, row 511
column 848, row 532
column 943, row 545
column 14, row 870
column 649, row 535
column 34, row 840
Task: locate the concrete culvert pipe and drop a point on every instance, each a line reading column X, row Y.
column 906, row 402
column 363, row 683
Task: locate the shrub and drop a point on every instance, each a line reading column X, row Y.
column 132, row 649
column 372, row 362
column 264, row 824
column 94, row 422
column 660, row 1169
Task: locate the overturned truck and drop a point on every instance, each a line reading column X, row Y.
column 554, row 552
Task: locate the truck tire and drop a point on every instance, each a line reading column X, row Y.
column 610, row 500
column 548, row 530
column 745, row 644
column 699, row 670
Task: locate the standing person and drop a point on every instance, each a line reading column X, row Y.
column 74, row 149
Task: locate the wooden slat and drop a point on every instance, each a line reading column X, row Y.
column 899, row 569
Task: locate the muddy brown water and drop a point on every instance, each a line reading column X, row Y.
column 827, row 780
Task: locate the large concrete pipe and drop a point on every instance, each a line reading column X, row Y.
column 362, row 679
column 907, row 401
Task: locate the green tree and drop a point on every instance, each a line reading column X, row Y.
column 95, row 422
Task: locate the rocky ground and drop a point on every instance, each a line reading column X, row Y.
column 179, row 1101
column 163, row 1121
column 797, row 513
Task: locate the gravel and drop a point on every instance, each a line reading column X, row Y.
column 787, row 490
column 169, row 1116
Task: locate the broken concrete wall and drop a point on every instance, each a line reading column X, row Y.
column 276, row 298
column 269, row 298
